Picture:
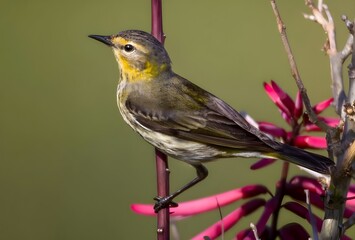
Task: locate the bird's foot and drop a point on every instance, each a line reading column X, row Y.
column 164, row 202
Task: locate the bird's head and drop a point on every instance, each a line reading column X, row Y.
column 140, row 56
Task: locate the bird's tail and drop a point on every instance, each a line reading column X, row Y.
column 312, row 161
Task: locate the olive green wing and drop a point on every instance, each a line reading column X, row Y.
column 184, row 110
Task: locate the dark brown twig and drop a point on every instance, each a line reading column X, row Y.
column 163, row 218
column 331, row 133
column 349, row 223
column 294, row 70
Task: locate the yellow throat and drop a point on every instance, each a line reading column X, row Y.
column 131, row 73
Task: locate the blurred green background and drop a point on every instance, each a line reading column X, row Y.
column 70, row 167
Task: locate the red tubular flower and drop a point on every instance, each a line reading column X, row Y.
column 264, row 235
column 281, row 99
column 320, row 107
column 276, row 98
column 297, row 192
column 293, row 109
column 307, row 183
column 350, row 204
column 262, row 163
column 206, row 204
column 273, row 130
column 231, row 219
column 270, row 207
column 293, row 231
column 303, row 212
column 285, row 99
column 298, row 106
column 310, row 142
column 333, row 122
column 292, row 112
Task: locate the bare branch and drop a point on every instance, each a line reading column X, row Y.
column 320, row 5
column 174, row 230
column 349, row 24
column 282, row 29
column 336, row 65
column 349, row 223
column 349, row 109
column 340, row 179
column 349, row 159
column 349, row 127
column 348, row 48
column 323, row 16
column 255, row 231
column 332, row 133
column 311, row 216
column 351, row 67
column 326, row 22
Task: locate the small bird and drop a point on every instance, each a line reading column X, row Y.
column 183, row 120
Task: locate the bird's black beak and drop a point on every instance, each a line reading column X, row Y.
column 103, row 39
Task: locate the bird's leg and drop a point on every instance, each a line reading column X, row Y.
column 164, row 202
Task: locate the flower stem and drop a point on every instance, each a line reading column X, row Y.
column 280, row 193
column 163, row 218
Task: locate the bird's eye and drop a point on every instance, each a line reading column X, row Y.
column 128, row 48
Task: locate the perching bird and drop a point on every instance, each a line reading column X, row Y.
column 183, row 120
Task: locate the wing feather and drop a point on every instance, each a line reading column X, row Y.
column 203, row 118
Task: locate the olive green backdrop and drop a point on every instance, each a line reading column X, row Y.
column 70, row 167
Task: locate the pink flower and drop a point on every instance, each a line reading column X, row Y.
column 293, row 231
column 320, row 107
column 262, row 163
column 273, row 130
column 206, row 204
column 231, row 219
column 292, row 112
column 281, row 99
column 303, row 212
column 310, row 142
column 350, row 203
column 333, row 122
column 269, row 209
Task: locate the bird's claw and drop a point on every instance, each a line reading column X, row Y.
column 163, row 202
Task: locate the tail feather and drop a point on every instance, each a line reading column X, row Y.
column 312, row 161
